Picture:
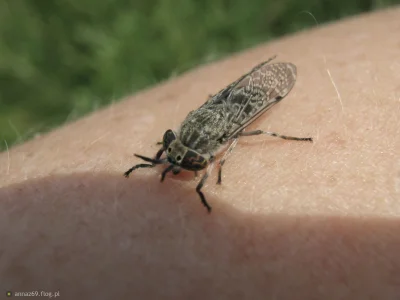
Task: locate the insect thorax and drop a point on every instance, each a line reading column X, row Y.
column 204, row 129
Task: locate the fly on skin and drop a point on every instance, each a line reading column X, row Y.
column 221, row 120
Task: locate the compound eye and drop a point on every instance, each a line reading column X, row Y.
column 169, row 136
column 193, row 161
column 179, row 158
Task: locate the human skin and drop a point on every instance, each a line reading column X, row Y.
column 291, row 220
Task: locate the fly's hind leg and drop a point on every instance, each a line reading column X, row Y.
column 285, row 137
column 223, row 159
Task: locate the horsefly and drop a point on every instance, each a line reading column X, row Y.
column 222, row 119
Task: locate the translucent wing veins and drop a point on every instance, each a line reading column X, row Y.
column 254, row 93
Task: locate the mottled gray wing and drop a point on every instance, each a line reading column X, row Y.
column 222, row 96
column 256, row 92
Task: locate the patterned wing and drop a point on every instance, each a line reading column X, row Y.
column 258, row 91
column 222, row 96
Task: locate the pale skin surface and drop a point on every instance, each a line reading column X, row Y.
column 291, row 220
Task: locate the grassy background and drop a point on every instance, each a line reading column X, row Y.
column 62, row 59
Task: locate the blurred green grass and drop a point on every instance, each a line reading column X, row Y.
column 62, row 59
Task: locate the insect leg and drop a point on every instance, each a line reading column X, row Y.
column 168, row 169
column 200, row 185
column 153, row 162
column 285, row 137
column 126, row 174
column 176, row 170
column 223, row 159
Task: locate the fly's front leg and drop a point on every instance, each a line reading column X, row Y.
column 175, row 170
column 201, row 183
column 168, row 169
column 285, row 137
column 154, row 161
column 126, row 174
column 223, row 159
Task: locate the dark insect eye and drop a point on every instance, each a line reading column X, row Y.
column 169, row 136
column 178, row 158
